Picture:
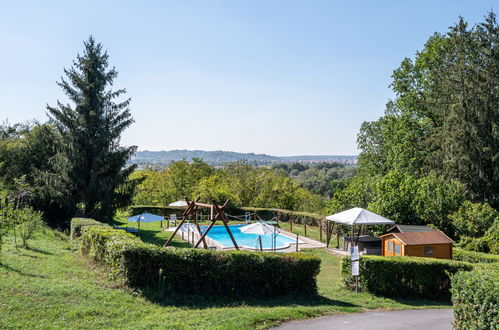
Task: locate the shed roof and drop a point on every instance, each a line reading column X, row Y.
column 408, row 228
column 419, row 238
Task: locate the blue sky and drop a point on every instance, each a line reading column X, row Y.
column 263, row 76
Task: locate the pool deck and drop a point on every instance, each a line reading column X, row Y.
column 303, row 243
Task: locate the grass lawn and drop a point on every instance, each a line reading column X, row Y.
column 50, row 285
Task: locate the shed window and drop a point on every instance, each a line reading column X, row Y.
column 390, row 246
column 428, row 250
column 397, row 248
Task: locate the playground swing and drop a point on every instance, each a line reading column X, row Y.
column 191, row 211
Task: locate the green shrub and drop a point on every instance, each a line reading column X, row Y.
column 27, row 221
column 94, row 241
column 474, row 219
column 78, row 223
column 203, row 272
column 404, row 277
column 475, row 296
column 474, row 257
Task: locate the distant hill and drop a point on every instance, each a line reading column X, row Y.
column 163, row 158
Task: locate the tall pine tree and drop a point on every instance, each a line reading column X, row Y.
column 91, row 128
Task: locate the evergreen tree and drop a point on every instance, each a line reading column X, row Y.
column 91, row 128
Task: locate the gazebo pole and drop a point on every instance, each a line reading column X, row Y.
column 331, row 233
column 358, row 234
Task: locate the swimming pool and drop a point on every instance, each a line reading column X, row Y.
column 221, row 236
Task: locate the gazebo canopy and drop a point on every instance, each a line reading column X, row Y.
column 359, row 216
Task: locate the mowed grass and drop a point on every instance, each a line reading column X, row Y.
column 50, row 285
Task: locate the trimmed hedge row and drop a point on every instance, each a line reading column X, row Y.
column 404, row 277
column 264, row 213
column 78, row 223
column 204, row 272
column 474, row 257
column 475, row 296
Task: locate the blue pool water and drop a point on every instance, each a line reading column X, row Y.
column 219, row 234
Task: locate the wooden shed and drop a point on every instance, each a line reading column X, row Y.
column 433, row 244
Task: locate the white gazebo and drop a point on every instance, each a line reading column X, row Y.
column 358, row 217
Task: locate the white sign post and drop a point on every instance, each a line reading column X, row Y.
column 354, row 253
column 355, row 268
column 355, row 258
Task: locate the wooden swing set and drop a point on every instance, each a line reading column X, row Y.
column 191, row 212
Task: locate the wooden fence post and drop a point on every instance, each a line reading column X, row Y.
column 297, row 242
column 320, row 231
column 305, row 227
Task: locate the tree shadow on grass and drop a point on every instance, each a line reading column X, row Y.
column 203, row 302
column 38, row 250
column 20, row 272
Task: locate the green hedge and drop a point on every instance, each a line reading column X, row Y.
column 475, row 296
column 264, row 213
column 404, row 277
column 78, row 223
column 204, row 272
column 474, row 257
column 95, row 239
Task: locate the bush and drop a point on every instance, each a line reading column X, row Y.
column 404, row 277
column 173, row 270
column 475, row 296
column 78, row 223
column 474, row 257
column 474, row 219
column 27, row 221
column 95, row 238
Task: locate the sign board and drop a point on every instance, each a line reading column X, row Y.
column 355, row 268
column 354, row 253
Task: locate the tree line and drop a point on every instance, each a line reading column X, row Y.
column 320, row 178
column 242, row 183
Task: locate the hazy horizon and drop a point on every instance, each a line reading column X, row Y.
column 257, row 153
